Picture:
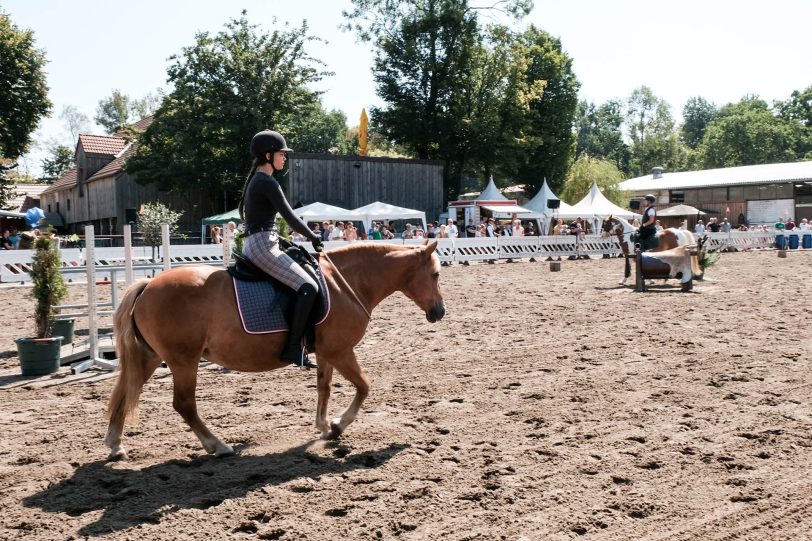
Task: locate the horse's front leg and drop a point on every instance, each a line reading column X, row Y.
column 324, row 377
column 347, row 366
column 184, row 375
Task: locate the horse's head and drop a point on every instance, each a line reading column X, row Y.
column 422, row 284
column 610, row 226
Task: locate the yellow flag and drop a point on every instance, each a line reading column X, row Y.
column 362, row 133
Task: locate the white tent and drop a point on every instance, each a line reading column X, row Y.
column 316, row 212
column 385, row 211
column 538, row 205
column 595, row 206
column 491, row 193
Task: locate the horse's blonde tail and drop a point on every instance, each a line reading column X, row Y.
column 133, row 359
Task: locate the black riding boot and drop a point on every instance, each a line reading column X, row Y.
column 293, row 352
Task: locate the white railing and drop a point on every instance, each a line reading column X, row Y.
column 15, row 264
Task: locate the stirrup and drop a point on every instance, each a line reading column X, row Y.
column 302, row 362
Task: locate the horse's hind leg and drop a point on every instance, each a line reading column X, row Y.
column 347, row 366
column 123, row 401
column 184, row 374
column 324, row 378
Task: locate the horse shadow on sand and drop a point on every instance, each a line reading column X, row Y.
column 130, row 497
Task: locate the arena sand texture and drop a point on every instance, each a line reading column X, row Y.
column 539, row 408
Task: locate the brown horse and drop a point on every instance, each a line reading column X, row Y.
column 667, row 239
column 190, row 313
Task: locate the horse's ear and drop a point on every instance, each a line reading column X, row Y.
column 430, row 247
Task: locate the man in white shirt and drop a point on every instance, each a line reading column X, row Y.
column 451, row 229
column 804, row 225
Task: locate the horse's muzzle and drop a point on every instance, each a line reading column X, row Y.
column 435, row 313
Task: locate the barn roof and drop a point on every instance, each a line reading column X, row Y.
column 21, row 192
column 67, row 180
column 730, row 176
column 117, row 165
column 108, row 145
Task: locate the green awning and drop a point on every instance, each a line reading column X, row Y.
column 52, row 218
column 224, row 218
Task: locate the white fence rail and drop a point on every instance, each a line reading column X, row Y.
column 15, row 264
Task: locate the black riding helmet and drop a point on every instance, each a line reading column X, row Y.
column 268, row 141
column 650, row 198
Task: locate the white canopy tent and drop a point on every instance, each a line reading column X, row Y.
column 316, row 212
column 538, row 205
column 596, row 207
column 491, row 193
column 384, row 211
column 680, row 210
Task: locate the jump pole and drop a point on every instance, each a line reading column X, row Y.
column 93, row 330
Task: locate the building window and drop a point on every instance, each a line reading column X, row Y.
column 677, row 196
column 49, row 208
column 68, row 205
column 57, row 206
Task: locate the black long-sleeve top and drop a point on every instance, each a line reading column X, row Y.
column 263, row 199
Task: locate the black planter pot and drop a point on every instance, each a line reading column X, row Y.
column 39, row 356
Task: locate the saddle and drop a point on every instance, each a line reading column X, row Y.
column 253, row 285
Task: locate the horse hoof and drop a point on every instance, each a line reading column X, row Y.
column 118, row 456
column 223, row 450
column 334, row 433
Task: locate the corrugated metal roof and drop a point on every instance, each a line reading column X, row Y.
column 730, row 176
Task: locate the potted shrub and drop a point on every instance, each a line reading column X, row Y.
column 40, row 355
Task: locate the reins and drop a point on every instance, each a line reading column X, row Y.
column 347, row 285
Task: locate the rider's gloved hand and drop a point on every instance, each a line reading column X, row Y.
column 317, row 244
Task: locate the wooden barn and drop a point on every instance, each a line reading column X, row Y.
column 355, row 181
column 98, row 192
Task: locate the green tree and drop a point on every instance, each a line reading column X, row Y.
column 144, row 107
column 150, row 221
column 748, row 133
column 113, row 112
column 798, row 110
column 58, row 162
column 432, row 67
column 549, row 120
column 696, row 115
column 323, row 132
column 654, row 141
column 227, row 87
column 23, row 92
column 599, row 132
column 586, row 170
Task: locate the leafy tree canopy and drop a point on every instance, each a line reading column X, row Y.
column 23, row 92
column 227, row 87
column 587, row 169
column 651, row 129
column 748, row 133
column 58, row 162
column 696, row 115
column 599, row 132
column 152, row 217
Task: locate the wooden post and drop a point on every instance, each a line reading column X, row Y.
column 639, row 281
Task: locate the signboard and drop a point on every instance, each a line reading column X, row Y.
column 767, row 211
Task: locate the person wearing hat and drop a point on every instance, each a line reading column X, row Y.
column 262, row 198
column 648, row 226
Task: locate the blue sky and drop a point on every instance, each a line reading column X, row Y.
column 718, row 49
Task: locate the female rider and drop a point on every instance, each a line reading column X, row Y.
column 262, row 198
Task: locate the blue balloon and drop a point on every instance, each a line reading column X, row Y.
column 33, row 216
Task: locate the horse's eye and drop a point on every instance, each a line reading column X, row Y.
column 436, row 274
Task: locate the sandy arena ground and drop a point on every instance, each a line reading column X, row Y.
column 534, row 410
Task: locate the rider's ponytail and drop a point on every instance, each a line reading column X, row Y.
column 254, row 164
